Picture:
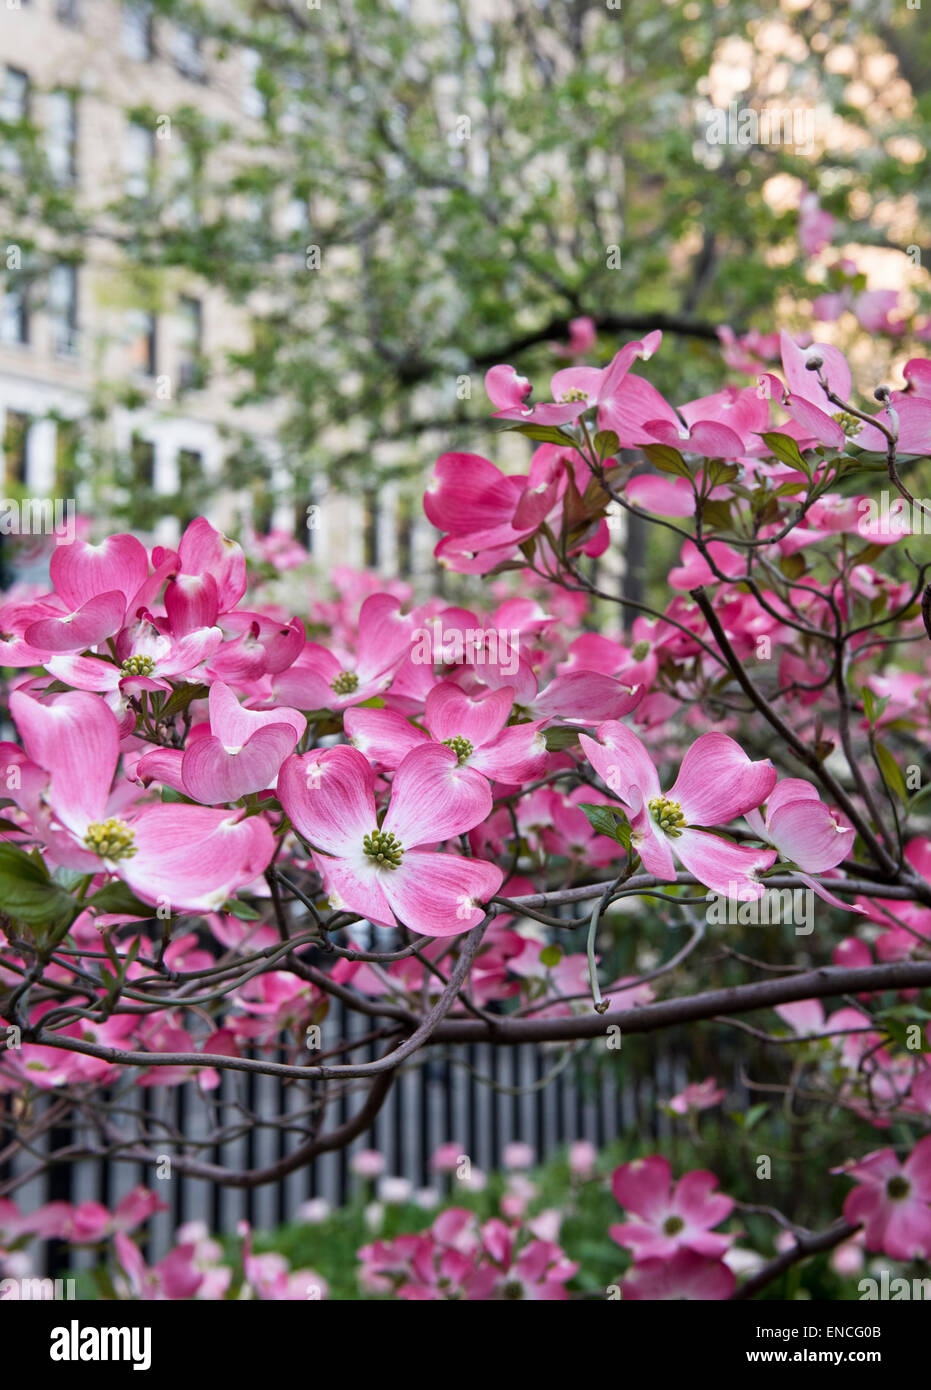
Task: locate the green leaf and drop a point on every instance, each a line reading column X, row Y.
column 171, row 794
column 891, row 772
column 667, row 459
column 786, row 450
column 717, row 515
column 608, row 820
column 606, row 443
column 28, row 894
column 899, row 1033
column 544, row 434
column 237, row 908
column 558, row 740
column 119, row 897
column 789, row 489
column 793, row 566
column 179, row 701
column 719, row 472
column 872, row 707
column 919, row 799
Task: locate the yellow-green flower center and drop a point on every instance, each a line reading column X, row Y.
column 640, row 650
column 384, row 848
column 848, row 423
column 898, row 1188
column 460, row 746
column 346, row 683
column 673, row 1225
column 111, row 839
column 138, row 666
column 667, row 814
column 574, row 395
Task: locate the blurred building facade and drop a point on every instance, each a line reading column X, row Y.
column 99, row 360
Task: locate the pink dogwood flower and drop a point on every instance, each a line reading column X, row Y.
column 669, row 1218
column 190, row 856
column 804, row 830
column 686, row 1276
column 819, row 420
column 472, row 724
column 321, row 679
column 389, row 872
column 716, row 782
column 698, row 1095
column 242, row 752
column 892, row 1201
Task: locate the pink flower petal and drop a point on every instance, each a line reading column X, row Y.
column 621, row 761
column 432, row 797
column 717, row 781
column 330, row 797
column 438, row 894
column 212, row 774
column 75, row 737
column 722, row 866
column 80, row 571
column 100, row 617
column 450, row 712
column 383, row 735
column 194, row 857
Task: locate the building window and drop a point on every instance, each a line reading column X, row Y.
column 190, row 369
column 138, row 159
column 190, row 482
column 370, row 528
column 63, row 309
column 67, row 470
column 405, row 537
column 142, row 461
column 138, row 31
column 14, row 109
column 188, row 53
column 68, row 12
column 62, row 136
column 184, row 180
column 14, row 312
column 190, row 468
column 16, row 446
column 143, row 345
column 253, row 98
column 14, row 96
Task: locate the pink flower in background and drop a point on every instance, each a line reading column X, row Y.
column 368, row 1163
column 446, row 1158
column 669, row 1218
column 892, row 1201
column 386, row 872
column 582, row 1158
column 716, row 782
column 815, row 225
column 174, row 1277
column 459, row 1259
column 518, row 1155
column 686, row 1275
column 699, row 1095
column 582, row 336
